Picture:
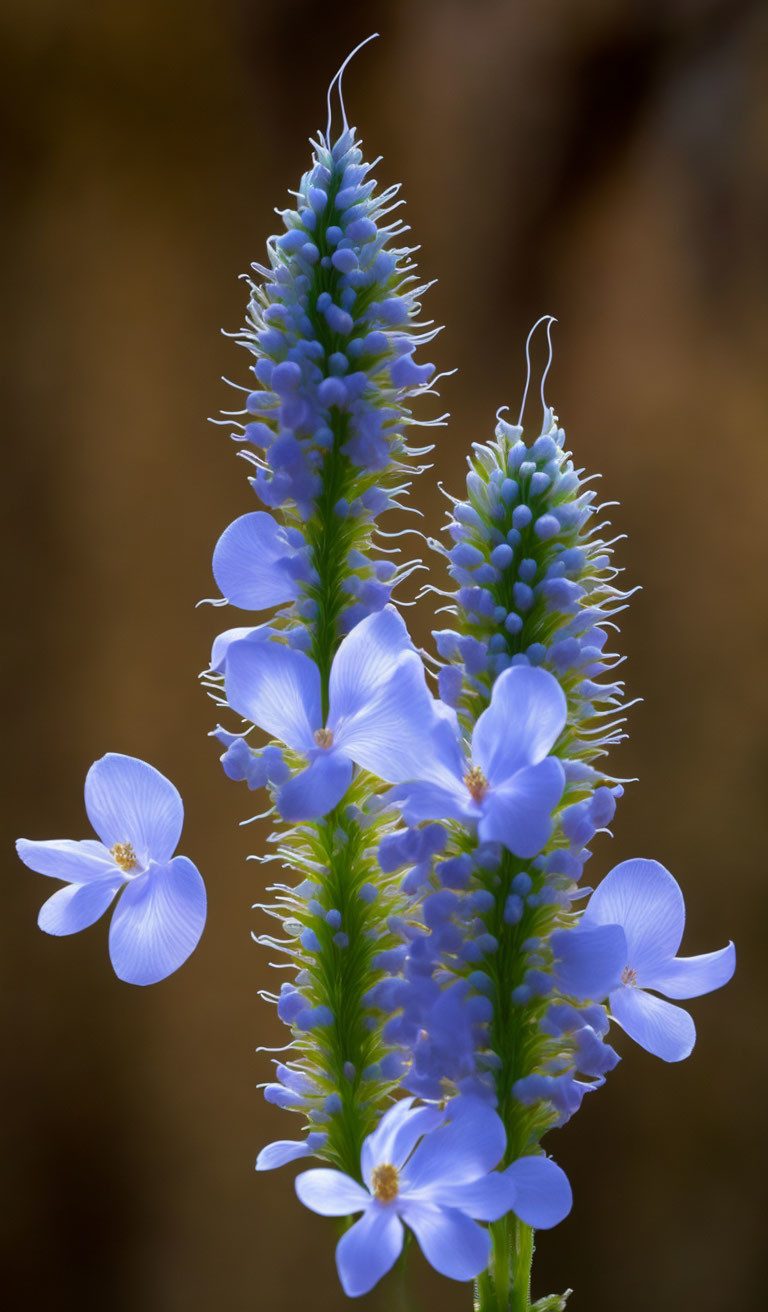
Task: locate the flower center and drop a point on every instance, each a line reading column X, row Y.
column 385, row 1181
column 629, row 976
column 124, row 855
column 324, row 737
column 476, row 783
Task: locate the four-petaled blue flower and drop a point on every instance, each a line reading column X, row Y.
column 440, row 1189
column 380, row 709
column 646, row 901
column 138, row 815
column 510, row 785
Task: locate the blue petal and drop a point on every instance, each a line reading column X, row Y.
column 525, row 718
column 381, row 710
column 589, row 960
column 331, row 1193
column 428, row 801
column 449, row 1240
column 129, row 801
column 543, row 1194
column 646, row 901
column 77, row 906
column 315, row 791
column 519, row 814
column 281, row 1152
column 222, row 644
column 658, row 1026
column 486, row 1199
column 249, row 563
column 465, row 1148
column 396, row 1135
column 157, row 922
column 61, row 858
column 278, row 689
column 369, row 1249
column 364, row 660
column 689, row 977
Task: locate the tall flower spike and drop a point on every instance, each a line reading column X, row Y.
column 499, row 994
column 329, row 674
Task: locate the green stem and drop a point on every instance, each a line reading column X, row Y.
column 522, row 1257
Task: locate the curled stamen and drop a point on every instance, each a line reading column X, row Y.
column 337, row 79
column 544, row 405
column 545, row 318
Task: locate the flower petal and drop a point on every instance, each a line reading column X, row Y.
column 157, row 922
column 419, row 802
column 364, row 660
column 589, row 960
column 525, row 718
column 249, row 563
column 659, row 1027
column 331, row 1193
column 62, row 858
column 381, row 710
column 77, row 906
column 222, row 644
column 396, row 1134
column 543, row 1194
column 452, row 1243
column 486, row 1199
column 467, row 1147
column 646, row 901
column 280, row 1152
column 278, row 689
column 129, row 801
column 689, row 977
column 519, row 813
column 315, row 791
column 369, row 1249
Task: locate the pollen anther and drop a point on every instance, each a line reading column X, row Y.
column 476, row 783
column 385, row 1180
column 124, row 855
column 324, row 737
column 629, row 976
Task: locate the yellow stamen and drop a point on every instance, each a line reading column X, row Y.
column 324, row 737
column 476, row 783
column 124, row 855
column 385, row 1180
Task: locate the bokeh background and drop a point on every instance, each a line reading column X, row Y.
column 601, row 160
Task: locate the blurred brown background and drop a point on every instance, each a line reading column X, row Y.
column 601, row 160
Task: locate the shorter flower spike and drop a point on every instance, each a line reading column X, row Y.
column 138, row 815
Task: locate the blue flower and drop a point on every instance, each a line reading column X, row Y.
column 379, row 713
column 645, row 900
column 440, row 1187
column 138, row 815
column 511, row 784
